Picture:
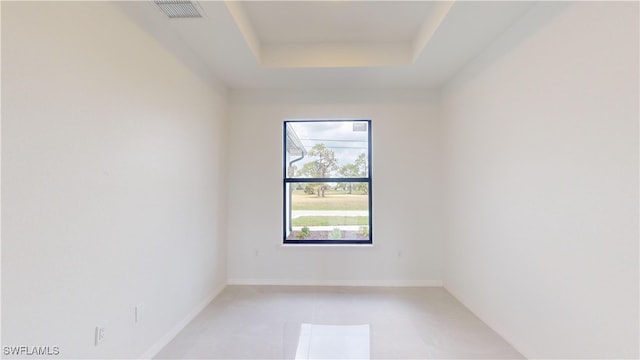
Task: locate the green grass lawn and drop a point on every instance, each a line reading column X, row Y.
column 330, row 220
column 332, row 201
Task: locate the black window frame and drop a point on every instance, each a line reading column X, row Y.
column 286, row 208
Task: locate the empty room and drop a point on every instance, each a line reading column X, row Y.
column 320, row 179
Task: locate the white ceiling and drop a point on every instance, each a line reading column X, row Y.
column 277, row 22
column 331, row 44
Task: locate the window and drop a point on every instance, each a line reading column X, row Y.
column 327, row 182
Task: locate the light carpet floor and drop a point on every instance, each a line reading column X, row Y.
column 276, row 322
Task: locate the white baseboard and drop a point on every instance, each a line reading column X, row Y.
column 166, row 338
column 297, row 282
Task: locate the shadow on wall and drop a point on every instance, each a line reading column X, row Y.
column 525, row 27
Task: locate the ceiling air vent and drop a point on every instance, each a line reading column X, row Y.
column 177, row 9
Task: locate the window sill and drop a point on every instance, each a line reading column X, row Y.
column 327, row 245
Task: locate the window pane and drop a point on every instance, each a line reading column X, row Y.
column 327, row 211
column 327, row 149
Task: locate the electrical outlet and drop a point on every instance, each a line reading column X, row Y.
column 99, row 335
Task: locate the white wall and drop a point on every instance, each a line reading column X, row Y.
column 112, row 176
column 407, row 239
column 542, row 162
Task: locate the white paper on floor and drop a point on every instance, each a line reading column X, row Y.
column 333, row 342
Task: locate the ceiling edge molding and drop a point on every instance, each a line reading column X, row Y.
column 246, row 29
column 430, row 26
column 331, row 55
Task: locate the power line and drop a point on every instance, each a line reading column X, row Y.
column 334, row 140
column 346, row 147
